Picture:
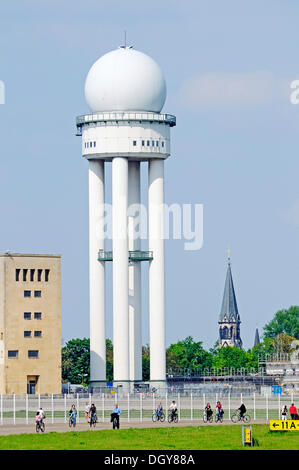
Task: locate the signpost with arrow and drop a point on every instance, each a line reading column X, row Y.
column 284, row 425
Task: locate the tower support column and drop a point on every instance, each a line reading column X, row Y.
column 120, row 271
column 96, row 179
column 134, row 221
column 156, row 271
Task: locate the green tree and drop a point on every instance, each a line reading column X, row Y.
column 109, row 360
column 230, row 357
column 145, row 362
column 187, row 354
column 282, row 343
column 75, row 357
column 75, row 361
column 284, row 321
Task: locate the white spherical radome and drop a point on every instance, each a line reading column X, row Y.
column 125, row 80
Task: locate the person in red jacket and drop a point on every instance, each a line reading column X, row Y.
column 293, row 411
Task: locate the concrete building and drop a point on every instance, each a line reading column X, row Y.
column 229, row 319
column 30, row 324
column 125, row 91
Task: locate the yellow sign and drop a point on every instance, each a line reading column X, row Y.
column 287, row 425
column 247, row 435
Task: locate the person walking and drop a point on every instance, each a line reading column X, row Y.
column 284, row 412
column 293, row 411
column 86, row 412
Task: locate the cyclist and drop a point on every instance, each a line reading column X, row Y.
column 115, row 416
column 93, row 413
column 219, row 410
column 41, row 414
column 242, row 410
column 38, row 418
column 73, row 414
column 208, row 411
column 159, row 410
column 173, row 408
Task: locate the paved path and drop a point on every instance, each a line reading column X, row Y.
column 63, row 427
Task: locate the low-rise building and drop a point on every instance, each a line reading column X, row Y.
column 30, row 323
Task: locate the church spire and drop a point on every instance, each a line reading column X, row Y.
column 229, row 308
column 229, row 319
column 256, row 338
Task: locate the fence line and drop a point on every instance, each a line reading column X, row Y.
column 21, row 409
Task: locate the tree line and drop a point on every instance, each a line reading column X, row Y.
column 188, row 356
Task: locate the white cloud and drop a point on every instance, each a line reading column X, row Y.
column 230, row 90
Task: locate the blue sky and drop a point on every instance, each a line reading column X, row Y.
column 228, row 67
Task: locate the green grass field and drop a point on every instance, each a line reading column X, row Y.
column 180, row 438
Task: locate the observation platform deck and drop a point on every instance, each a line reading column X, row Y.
column 115, row 117
column 133, row 256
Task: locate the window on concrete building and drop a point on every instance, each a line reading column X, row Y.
column 148, row 143
column 13, row 353
column 142, row 143
column 134, row 143
column 162, row 144
column 32, row 271
column 18, row 274
column 38, row 334
column 27, row 293
column 39, row 274
column 25, row 274
column 37, row 293
column 27, row 334
column 27, row 315
column 37, row 315
column 47, row 272
column 94, row 144
column 33, row 354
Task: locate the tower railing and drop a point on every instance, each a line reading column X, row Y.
column 133, row 256
column 123, row 116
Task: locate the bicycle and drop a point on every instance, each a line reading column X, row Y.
column 158, row 417
column 219, row 418
column 237, row 417
column 93, row 420
column 40, row 426
column 72, row 421
column 173, row 417
column 207, row 418
column 115, row 420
